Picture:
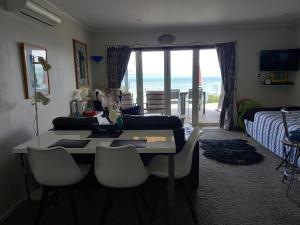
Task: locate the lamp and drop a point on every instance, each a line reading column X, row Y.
column 97, row 59
column 44, row 64
column 77, row 95
column 38, row 96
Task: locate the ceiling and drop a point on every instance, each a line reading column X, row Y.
column 156, row 14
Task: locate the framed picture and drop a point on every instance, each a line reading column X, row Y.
column 30, row 54
column 279, row 77
column 81, row 64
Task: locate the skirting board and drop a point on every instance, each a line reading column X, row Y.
column 11, row 209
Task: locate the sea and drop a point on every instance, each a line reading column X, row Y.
column 211, row 84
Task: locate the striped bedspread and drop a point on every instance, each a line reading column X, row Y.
column 267, row 129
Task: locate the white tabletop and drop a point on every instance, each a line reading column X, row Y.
column 158, row 141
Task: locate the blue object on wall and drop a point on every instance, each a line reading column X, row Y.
column 97, row 58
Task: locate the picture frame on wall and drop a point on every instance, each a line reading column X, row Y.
column 30, row 54
column 279, row 77
column 81, row 64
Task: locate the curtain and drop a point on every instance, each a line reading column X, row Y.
column 227, row 57
column 117, row 58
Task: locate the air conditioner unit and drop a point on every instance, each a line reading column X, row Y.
column 38, row 10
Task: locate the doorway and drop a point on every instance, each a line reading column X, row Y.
column 211, row 83
column 188, row 79
column 181, row 67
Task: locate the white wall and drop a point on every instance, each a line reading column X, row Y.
column 298, row 35
column 16, row 113
column 296, row 91
column 250, row 42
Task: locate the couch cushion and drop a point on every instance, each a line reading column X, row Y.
column 71, row 123
column 137, row 122
column 134, row 110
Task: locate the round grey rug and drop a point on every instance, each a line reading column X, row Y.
column 235, row 151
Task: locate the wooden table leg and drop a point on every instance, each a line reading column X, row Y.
column 25, row 174
column 171, row 191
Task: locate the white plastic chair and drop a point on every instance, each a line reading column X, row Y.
column 119, row 168
column 183, row 162
column 55, row 168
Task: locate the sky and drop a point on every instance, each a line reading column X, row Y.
column 181, row 63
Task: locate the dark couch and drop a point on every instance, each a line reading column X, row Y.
column 139, row 122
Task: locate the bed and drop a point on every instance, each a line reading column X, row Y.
column 266, row 127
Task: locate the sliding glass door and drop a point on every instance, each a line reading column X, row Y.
column 181, row 77
column 153, row 81
column 211, row 83
column 168, row 81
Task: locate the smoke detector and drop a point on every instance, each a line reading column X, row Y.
column 166, row 39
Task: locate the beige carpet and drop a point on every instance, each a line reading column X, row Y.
column 227, row 195
column 254, row 194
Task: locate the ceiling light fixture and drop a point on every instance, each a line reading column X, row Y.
column 166, row 39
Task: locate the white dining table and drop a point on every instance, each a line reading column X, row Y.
column 158, row 142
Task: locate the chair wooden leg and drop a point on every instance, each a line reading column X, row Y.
column 56, row 198
column 137, row 209
column 144, row 198
column 107, row 203
column 160, row 194
column 155, row 205
column 41, row 206
column 72, row 203
column 187, row 191
column 87, row 195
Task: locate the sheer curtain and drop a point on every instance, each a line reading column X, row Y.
column 227, row 60
column 117, row 58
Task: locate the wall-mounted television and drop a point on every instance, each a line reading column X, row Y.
column 280, row 60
